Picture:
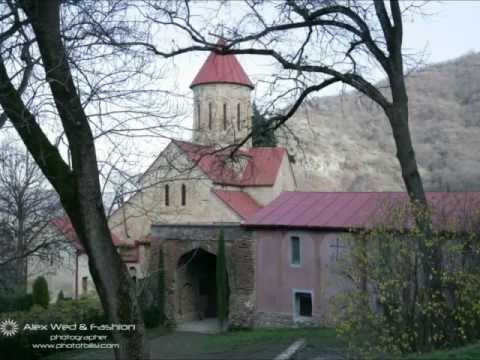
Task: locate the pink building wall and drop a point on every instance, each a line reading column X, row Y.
column 277, row 279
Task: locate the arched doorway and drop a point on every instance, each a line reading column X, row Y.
column 196, row 285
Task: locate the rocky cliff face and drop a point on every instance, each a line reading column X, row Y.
column 346, row 143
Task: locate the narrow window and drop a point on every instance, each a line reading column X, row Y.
column 167, row 195
column 199, row 115
column 224, row 116
column 184, row 195
column 239, row 125
column 303, row 304
column 295, row 251
column 210, row 116
column 84, row 284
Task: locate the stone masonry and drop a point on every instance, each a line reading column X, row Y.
column 177, row 240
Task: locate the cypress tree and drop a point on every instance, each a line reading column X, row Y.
column 262, row 134
column 161, row 286
column 60, row 297
column 222, row 286
column 40, row 292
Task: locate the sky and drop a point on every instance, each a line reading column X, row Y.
column 445, row 30
column 448, row 29
column 451, row 29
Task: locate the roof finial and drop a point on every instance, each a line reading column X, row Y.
column 222, row 28
column 221, row 38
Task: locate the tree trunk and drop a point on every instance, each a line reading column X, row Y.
column 83, row 202
column 405, row 154
column 22, row 260
column 431, row 264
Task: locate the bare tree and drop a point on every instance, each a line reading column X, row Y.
column 316, row 44
column 340, row 41
column 27, row 205
column 74, row 87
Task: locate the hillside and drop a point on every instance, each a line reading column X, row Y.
column 346, row 142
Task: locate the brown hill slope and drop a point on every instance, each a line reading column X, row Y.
column 346, row 142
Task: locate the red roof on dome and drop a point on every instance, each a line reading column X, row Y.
column 261, row 165
column 220, row 68
column 240, row 202
column 357, row 210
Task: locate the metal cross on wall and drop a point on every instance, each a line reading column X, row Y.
column 337, row 246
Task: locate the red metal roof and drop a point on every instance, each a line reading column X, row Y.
column 260, row 165
column 240, row 202
column 355, row 210
column 220, row 68
column 64, row 225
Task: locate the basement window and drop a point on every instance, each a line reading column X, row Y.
column 303, row 304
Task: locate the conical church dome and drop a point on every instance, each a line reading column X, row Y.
column 220, row 68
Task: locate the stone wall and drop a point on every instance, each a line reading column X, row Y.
column 280, row 320
column 210, row 101
column 177, row 240
column 147, row 206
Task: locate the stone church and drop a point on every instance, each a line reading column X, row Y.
column 193, row 188
column 282, row 245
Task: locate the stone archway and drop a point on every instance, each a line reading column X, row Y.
column 196, row 285
column 180, row 241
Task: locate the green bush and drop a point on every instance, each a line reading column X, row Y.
column 60, row 296
column 262, row 133
column 84, row 311
column 152, row 316
column 24, row 303
column 40, row 292
column 221, row 278
column 15, row 302
column 160, row 295
column 390, row 310
column 151, row 295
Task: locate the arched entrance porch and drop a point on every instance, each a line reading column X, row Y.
column 196, row 285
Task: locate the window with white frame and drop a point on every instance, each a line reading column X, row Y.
column 295, row 253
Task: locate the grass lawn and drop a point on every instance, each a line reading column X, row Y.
column 245, row 338
column 320, row 341
column 469, row 352
column 265, row 343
